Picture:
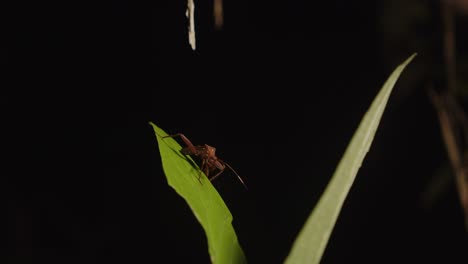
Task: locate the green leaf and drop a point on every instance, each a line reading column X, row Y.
column 313, row 238
column 205, row 202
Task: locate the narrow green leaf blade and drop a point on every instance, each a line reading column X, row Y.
column 313, row 238
column 205, row 202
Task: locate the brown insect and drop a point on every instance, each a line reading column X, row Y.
column 209, row 162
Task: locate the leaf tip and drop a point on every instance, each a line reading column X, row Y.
column 410, row 58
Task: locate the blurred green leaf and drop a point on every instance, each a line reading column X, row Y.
column 205, row 202
column 313, row 238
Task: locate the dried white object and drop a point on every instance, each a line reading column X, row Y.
column 190, row 13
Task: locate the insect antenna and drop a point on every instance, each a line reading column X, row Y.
column 239, row 177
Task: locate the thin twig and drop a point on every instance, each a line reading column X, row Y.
column 218, row 14
column 460, row 115
column 447, row 129
column 451, row 107
column 449, row 44
column 459, row 164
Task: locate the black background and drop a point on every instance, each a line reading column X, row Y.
column 279, row 91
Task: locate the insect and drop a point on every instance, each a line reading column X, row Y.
column 209, row 162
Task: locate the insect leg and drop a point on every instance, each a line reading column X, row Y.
column 190, row 146
column 217, row 174
column 203, row 168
